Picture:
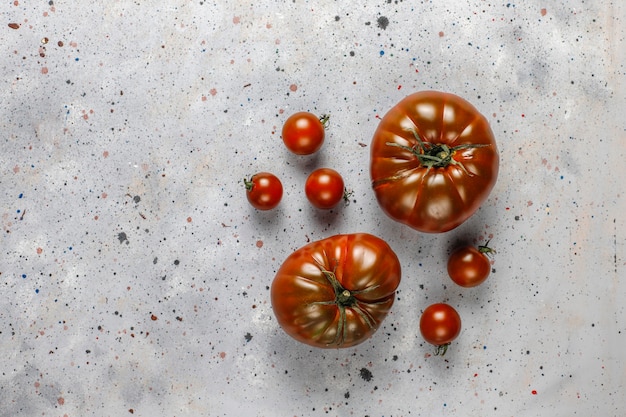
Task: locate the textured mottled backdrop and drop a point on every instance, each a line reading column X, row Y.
column 134, row 275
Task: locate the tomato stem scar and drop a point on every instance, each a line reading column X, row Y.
column 436, row 155
column 344, row 298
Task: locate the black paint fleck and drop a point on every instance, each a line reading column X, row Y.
column 122, row 237
column 383, row 22
column 366, row 374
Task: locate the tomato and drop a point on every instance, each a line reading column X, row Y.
column 440, row 324
column 335, row 292
column 433, row 162
column 303, row 132
column 324, row 188
column 469, row 266
column 264, row 190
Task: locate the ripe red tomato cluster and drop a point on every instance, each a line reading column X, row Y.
column 433, row 162
column 303, row 134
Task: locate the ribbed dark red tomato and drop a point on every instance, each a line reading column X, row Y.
column 335, row 292
column 434, row 161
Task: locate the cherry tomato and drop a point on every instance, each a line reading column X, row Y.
column 440, row 324
column 324, row 188
column 469, row 266
column 434, row 161
column 303, row 133
column 264, row 190
column 335, row 292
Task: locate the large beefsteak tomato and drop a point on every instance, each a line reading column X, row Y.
column 335, row 292
column 434, row 161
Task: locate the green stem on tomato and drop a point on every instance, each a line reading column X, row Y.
column 441, row 349
column 435, row 155
column 325, row 120
column 248, row 183
column 345, row 299
column 485, row 249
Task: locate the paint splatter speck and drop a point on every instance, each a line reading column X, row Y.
column 259, row 244
column 544, row 11
column 366, row 374
column 383, row 22
column 122, row 237
column 293, row 87
column 61, row 400
column 213, row 91
column 236, row 20
column 39, row 251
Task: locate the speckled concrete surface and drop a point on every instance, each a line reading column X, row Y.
column 135, row 276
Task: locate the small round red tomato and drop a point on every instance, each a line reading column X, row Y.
column 433, row 161
column 264, row 190
column 440, row 324
column 303, row 132
column 335, row 292
column 324, row 188
column 469, row 266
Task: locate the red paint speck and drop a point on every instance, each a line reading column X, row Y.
column 39, row 251
column 534, row 392
column 441, row 34
column 105, row 154
column 61, row 400
column 259, row 244
column 213, row 91
column 16, row 169
column 236, row 20
column 104, row 195
column 222, row 355
column 44, row 70
column 544, row 12
column 400, row 86
column 293, row 87
column 189, row 219
column 154, row 318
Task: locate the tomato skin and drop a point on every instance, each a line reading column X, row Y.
column 303, row 133
column 264, row 190
column 307, row 290
column 438, row 198
column 324, row 188
column 469, row 266
column 440, row 324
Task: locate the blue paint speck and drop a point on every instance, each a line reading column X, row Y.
column 382, row 53
column 37, row 291
column 23, row 276
column 21, row 195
